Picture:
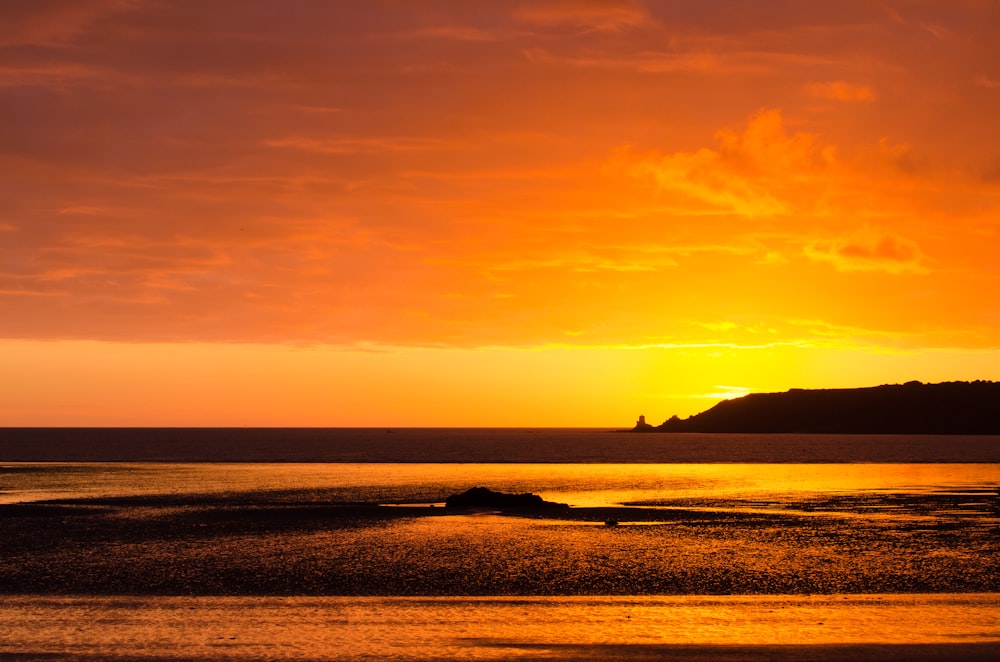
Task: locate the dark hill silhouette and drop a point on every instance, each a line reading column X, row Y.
column 911, row 408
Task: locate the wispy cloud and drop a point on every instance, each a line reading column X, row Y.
column 870, row 249
column 724, row 392
column 841, row 91
column 55, row 75
column 986, row 81
column 646, row 62
column 707, row 59
column 56, row 24
column 350, row 145
column 83, row 210
column 456, row 33
column 587, row 15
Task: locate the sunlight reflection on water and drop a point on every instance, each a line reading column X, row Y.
column 474, row 628
column 709, row 529
column 761, row 537
column 577, row 484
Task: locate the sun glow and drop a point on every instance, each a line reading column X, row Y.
column 195, row 384
column 506, row 215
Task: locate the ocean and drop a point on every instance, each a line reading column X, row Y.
column 479, row 446
column 175, row 544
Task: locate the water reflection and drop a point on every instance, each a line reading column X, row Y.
column 705, row 555
column 491, row 629
column 578, row 484
column 298, row 530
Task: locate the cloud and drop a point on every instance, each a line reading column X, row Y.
column 688, row 55
column 54, row 75
column 724, row 392
column 582, row 259
column 83, row 210
column 870, row 249
column 587, row 15
column 650, row 62
column 54, row 24
column 745, row 175
column 841, row 91
column 455, row 33
column 719, row 326
column 897, row 155
column 987, row 82
column 362, row 145
column 239, row 170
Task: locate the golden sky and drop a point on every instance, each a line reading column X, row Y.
column 555, row 212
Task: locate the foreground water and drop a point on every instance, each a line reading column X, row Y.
column 355, row 560
column 872, row 627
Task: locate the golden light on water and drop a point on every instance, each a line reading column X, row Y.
column 348, row 560
column 492, row 629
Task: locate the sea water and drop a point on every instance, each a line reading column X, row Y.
column 596, row 484
column 902, row 551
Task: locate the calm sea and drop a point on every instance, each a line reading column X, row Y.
column 162, row 544
column 477, row 446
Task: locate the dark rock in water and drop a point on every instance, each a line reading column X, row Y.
column 483, row 497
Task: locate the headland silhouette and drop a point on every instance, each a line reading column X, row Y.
column 971, row 408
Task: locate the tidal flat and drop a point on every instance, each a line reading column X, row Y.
column 167, row 561
column 284, row 543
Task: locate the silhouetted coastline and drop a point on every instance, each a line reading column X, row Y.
column 959, row 408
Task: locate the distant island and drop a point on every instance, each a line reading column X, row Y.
column 910, row 408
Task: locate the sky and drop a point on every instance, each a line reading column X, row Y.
column 477, row 213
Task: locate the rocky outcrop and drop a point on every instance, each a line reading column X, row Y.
column 483, row 497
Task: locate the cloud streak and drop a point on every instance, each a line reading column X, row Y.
column 585, row 15
column 841, row 91
column 870, row 249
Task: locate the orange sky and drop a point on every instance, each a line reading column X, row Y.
column 489, row 213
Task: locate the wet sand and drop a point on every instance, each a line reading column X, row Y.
column 987, row 652
column 287, row 543
column 870, row 577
